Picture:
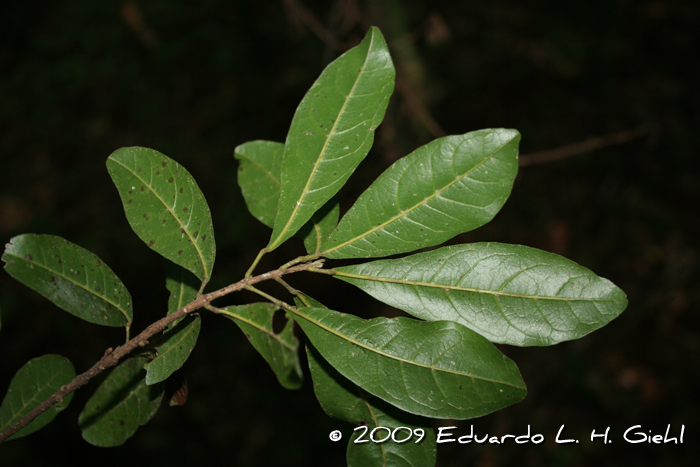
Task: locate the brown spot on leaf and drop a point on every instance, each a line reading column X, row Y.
column 151, row 242
column 129, row 202
column 195, row 234
column 179, row 252
column 99, row 264
column 139, row 169
column 180, row 189
column 165, row 163
column 184, row 209
column 170, row 180
column 28, row 257
column 142, row 188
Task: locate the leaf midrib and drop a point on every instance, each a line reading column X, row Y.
column 304, row 192
column 270, row 334
column 261, row 168
column 189, row 331
column 406, row 212
column 353, row 341
column 184, row 229
column 468, row 289
column 20, row 412
column 60, row 274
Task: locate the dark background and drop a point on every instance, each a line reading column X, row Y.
column 193, row 80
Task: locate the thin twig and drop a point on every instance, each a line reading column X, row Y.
column 112, row 357
column 587, row 145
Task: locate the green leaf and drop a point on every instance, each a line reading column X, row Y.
column 165, row 207
column 259, row 177
column 439, row 369
column 332, row 131
column 177, row 345
column 279, row 350
column 71, row 277
column 508, row 293
column 35, row 382
column 182, row 285
column 343, row 400
column 121, row 404
column 449, row 186
column 322, row 223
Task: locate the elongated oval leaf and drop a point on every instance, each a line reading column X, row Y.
column 71, row 277
column 279, row 350
column 121, row 404
column 436, row 369
column 449, row 186
column 259, row 177
column 508, row 293
column 165, row 207
column 35, row 382
column 177, row 345
column 332, row 131
column 343, row 400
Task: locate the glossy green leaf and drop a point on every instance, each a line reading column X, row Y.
column 322, row 223
column 436, row 369
column 332, row 131
column 165, row 207
column 279, row 350
column 182, row 285
column 71, row 277
column 121, row 404
column 508, row 293
column 177, row 345
column 449, row 186
column 35, row 382
column 260, row 165
column 343, row 400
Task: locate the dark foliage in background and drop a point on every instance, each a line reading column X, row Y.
column 194, row 79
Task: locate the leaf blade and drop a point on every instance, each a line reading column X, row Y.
column 508, row 293
column 447, row 187
column 165, row 207
column 452, row 371
column 71, row 277
column 121, row 404
column 343, row 400
column 35, row 382
column 260, row 166
column 332, row 131
column 279, row 350
column 176, row 348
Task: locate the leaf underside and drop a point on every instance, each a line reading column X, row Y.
column 71, row 277
column 279, row 350
column 177, row 345
column 435, row 369
column 165, row 207
column 343, row 400
column 35, row 382
column 332, row 131
column 447, row 187
column 508, row 293
column 121, row 404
